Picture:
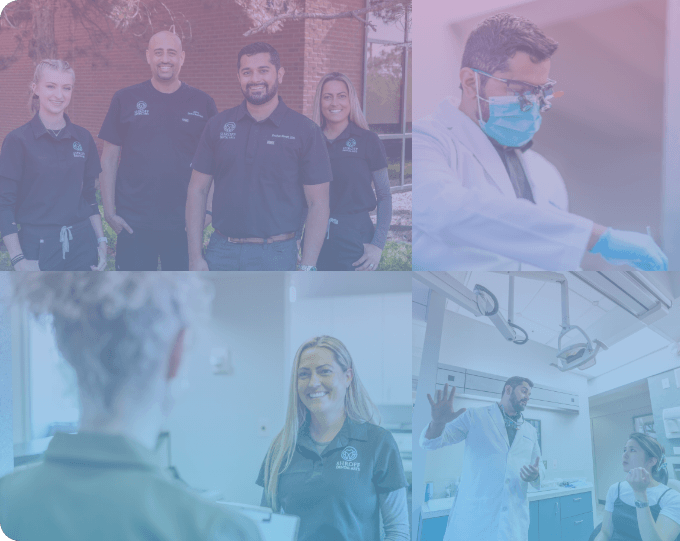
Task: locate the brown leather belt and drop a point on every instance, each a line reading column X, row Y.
column 254, row 240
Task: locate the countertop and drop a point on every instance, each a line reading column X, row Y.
column 439, row 507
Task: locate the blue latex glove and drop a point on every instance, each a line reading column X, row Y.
column 630, row 248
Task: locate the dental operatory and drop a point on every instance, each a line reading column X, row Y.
column 258, row 406
column 546, row 406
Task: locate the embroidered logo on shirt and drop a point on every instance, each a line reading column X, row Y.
column 196, row 113
column 348, row 455
column 78, row 150
column 270, row 142
column 228, row 132
column 185, row 120
column 141, row 108
column 350, row 146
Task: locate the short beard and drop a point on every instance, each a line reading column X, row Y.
column 516, row 404
column 264, row 98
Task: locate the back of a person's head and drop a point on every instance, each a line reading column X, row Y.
column 114, row 329
column 495, row 41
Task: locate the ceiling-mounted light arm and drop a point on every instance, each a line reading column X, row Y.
column 511, row 299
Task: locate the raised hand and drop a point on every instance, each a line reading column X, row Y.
column 639, row 479
column 442, row 407
column 529, row 472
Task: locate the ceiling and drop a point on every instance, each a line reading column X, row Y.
column 538, row 311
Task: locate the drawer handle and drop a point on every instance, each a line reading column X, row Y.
column 577, row 499
column 578, row 521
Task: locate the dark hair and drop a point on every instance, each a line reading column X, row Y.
column 653, row 449
column 514, row 382
column 496, row 39
column 260, row 47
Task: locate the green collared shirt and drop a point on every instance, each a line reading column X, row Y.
column 97, row 486
column 335, row 494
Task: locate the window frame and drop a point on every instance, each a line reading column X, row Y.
column 404, row 135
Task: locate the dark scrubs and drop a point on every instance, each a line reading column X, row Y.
column 47, row 186
column 336, row 494
column 260, row 169
column 624, row 519
column 109, row 488
column 158, row 134
column 355, row 155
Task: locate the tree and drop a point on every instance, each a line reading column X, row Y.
column 32, row 24
column 269, row 15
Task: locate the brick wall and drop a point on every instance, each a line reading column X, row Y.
column 308, row 50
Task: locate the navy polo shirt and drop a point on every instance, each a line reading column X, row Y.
column 46, row 180
column 260, row 169
column 336, row 494
column 158, row 134
column 354, row 154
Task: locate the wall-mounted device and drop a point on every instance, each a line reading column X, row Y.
column 671, row 422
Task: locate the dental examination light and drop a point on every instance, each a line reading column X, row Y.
column 577, row 354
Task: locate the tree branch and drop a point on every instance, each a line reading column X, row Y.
column 325, row 16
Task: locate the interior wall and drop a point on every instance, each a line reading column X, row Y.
column 6, row 411
column 665, row 398
column 216, row 440
column 611, row 428
column 376, row 329
column 476, row 346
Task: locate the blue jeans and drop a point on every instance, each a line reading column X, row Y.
column 222, row 255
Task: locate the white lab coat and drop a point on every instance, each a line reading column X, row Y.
column 491, row 504
column 466, row 215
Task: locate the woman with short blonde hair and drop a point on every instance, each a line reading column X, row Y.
column 332, row 465
column 48, row 173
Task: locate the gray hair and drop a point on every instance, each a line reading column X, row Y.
column 114, row 329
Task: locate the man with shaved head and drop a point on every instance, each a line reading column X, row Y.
column 150, row 135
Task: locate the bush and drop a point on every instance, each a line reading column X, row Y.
column 396, row 257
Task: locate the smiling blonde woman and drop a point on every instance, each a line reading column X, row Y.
column 48, row 171
column 332, row 465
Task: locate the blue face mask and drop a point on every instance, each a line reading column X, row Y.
column 507, row 123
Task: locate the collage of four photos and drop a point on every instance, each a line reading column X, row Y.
column 532, row 270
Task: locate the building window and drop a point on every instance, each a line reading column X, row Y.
column 387, row 92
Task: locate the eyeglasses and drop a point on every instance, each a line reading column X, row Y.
column 528, row 94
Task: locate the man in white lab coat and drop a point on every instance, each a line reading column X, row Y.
column 483, row 199
column 501, row 458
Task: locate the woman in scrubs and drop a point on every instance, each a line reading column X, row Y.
column 48, row 169
column 642, row 507
column 332, row 465
column 123, row 334
column 359, row 163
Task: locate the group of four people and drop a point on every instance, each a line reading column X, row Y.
column 281, row 191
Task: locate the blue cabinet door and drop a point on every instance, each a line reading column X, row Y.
column 576, row 504
column 577, row 528
column 549, row 520
column 533, row 521
column 434, row 529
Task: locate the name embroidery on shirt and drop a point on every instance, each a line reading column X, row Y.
column 78, row 150
column 348, row 455
column 141, row 108
column 350, row 146
column 228, row 132
column 196, row 113
column 283, row 136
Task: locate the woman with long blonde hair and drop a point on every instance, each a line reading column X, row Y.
column 332, row 465
column 359, row 164
column 48, row 173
